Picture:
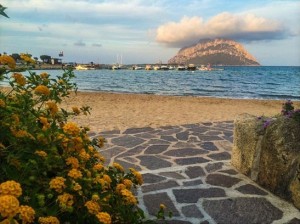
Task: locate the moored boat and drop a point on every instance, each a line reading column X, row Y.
column 164, row 67
column 148, row 67
column 136, row 67
column 156, row 67
column 181, row 68
column 191, row 67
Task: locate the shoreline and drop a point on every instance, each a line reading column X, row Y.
column 174, row 95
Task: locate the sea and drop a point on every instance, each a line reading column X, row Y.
column 249, row 82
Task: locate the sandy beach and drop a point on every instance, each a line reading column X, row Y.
column 112, row 111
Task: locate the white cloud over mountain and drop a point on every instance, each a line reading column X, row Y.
column 241, row 27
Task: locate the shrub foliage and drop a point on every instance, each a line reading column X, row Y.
column 50, row 170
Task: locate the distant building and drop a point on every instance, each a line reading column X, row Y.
column 56, row 61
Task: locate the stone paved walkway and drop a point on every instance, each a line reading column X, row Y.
column 188, row 169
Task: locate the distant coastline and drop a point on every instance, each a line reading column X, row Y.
column 129, row 66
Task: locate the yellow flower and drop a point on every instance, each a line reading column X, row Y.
column 15, row 118
column 101, row 182
column 101, row 141
column 41, row 153
column 128, row 197
column 95, row 197
column 10, row 187
column 65, row 200
column 74, row 173
column 106, row 178
column 137, row 175
column 98, row 167
column 127, row 183
column 162, row 206
column 48, row 220
column 45, row 123
column 91, row 148
column 98, row 156
column 118, row 167
column 2, row 103
column 60, row 81
column 44, row 75
column 58, row 184
column 26, row 214
column 9, row 206
column 93, row 207
column 76, row 110
column 84, row 156
column 104, row 217
column 77, row 187
column 43, row 90
column 19, row 78
column 27, row 58
column 21, row 133
column 104, row 183
column 52, row 107
column 78, row 143
column 8, row 221
column 120, row 187
column 73, row 162
column 8, row 60
column 71, row 128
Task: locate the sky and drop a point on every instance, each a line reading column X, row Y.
column 149, row 31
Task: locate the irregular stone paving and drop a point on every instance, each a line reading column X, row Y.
column 188, row 169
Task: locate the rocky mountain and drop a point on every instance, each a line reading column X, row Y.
column 215, row 52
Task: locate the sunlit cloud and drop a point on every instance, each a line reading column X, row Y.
column 246, row 27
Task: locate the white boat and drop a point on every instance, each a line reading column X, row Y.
column 204, row 68
column 84, row 67
column 191, row 67
column 164, row 67
column 148, row 67
column 156, row 67
column 136, row 67
column 116, row 67
column 181, row 68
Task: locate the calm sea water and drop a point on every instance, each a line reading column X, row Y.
column 233, row 82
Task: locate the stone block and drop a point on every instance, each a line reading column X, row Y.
column 270, row 156
column 246, row 140
column 280, row 159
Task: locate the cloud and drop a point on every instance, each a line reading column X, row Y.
column 97, row 45
column 245, row 27
column 79, row 43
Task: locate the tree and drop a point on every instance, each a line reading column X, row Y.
column 46, row 58
column 16, row 56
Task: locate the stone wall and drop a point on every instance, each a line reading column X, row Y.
column 269, row 156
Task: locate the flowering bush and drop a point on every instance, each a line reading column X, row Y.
column 288, row 110
column 50, row 170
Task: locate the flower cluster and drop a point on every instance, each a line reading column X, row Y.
column 289, row 111
column 10, row 191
